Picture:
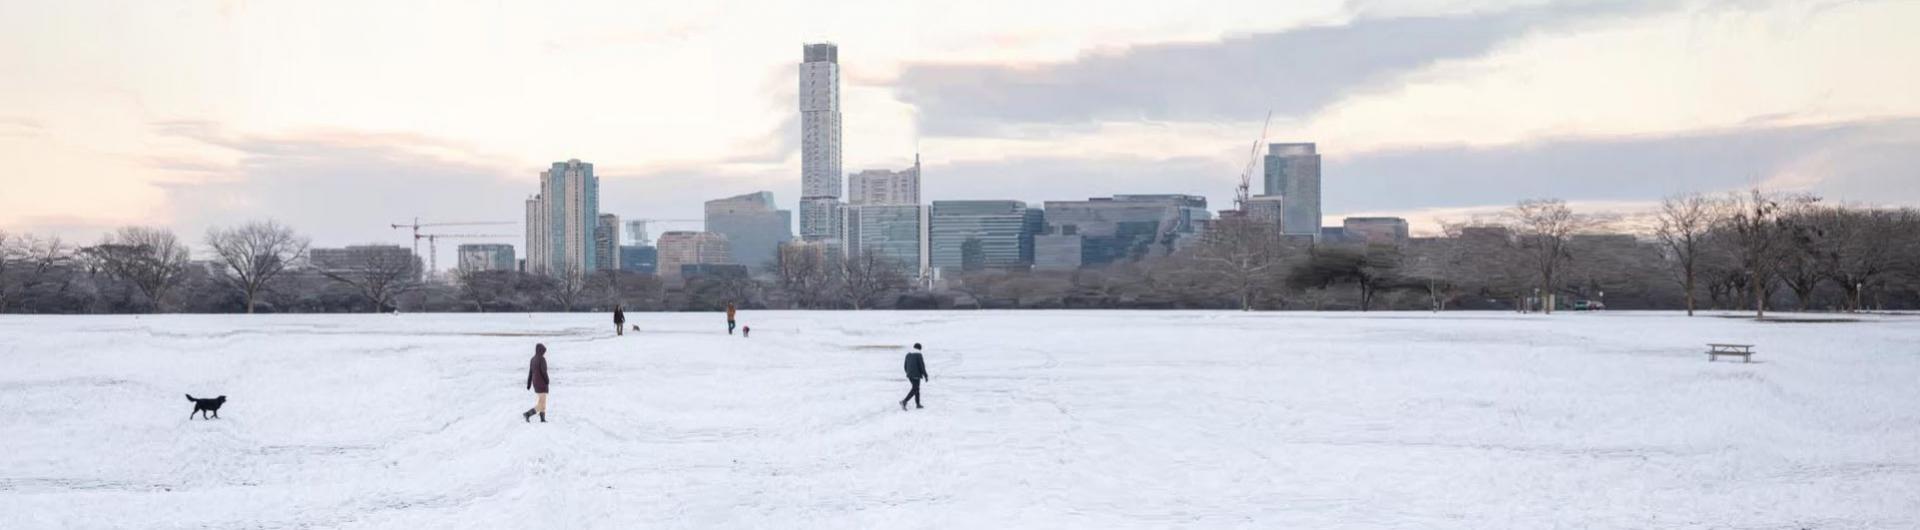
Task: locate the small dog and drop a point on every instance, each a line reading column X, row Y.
column 636, row 327
column 204, row 406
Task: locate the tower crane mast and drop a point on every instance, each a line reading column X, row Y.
column 1244, row 194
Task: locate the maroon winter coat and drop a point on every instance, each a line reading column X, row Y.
column 537, row 374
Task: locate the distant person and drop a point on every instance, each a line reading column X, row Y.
column 746, row 331
column 916, row 370
column 730, row 314
column 619, row 321
column 537, row 381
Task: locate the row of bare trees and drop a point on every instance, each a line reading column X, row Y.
column 1750, row 245
column 145, row 269
column 1753, row 250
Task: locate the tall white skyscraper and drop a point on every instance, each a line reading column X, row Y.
column 879, row 186
column 562, row 220
column 820, row 184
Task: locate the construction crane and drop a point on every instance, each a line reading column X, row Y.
column 416, row 225
column 1244, row 194
column 639, row 227
column 433, row 248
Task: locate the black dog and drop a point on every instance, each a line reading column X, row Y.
column 203, row 406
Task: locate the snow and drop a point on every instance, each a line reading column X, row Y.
column 1038, row 419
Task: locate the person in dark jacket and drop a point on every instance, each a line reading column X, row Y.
column 619, row 321
column 537, row 381
column 916, row 370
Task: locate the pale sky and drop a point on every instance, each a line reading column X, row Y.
column 340, row 117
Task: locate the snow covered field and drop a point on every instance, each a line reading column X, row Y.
column 1033, row 419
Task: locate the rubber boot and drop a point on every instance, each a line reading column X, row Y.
column 528, row 416
column 903, row 404
column 543, row 417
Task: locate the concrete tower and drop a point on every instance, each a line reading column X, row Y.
column 820, row 177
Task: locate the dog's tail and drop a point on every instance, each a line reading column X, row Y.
column 190, row 398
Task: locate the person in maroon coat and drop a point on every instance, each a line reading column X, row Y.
column 537, row 380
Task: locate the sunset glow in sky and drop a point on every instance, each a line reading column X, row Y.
column 340, row 117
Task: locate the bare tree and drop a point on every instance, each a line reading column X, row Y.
column 869, row 276
column 1488, row 262
column 378, row 276
column 153, row 260
column 1242, row 256
column 484, row 288
column 254, row 253
column 1371, row 270
column 1543, row 228
column 1436, row 264
column 1862, row 247
column 1806, row 240
column 567, row 286
column 1682, row 226
column 805, row 274
column 28, row 263
column 1754, row 228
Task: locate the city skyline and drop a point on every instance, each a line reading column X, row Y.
column 1419, row 110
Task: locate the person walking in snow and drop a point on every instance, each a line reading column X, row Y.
column 730, row 315
column 916, row 370
column 537, row 381
column 619, row 321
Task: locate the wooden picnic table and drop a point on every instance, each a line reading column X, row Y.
column 1715, row 350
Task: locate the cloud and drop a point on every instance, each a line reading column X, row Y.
column 20, row 127
column 1291, row 72
column 344, row 187
column 1870, row 161
column 337, row 187
column 1037, row 179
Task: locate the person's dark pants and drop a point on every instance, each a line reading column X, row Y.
column 730, row 327
column 620, row 328
column 912, row 394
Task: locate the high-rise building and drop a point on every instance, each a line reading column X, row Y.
column 880, row 186
column 754, row 227
column 896, row 232
column 1058, row 249
column 820, row 183
column 606, row 243
column 562, row 220
column 539, row 241
column 355, row 259
column 644, row 259
column 995, row 234
column 486, row 257
column 1375, row 230
column 1119, row 229
column 679, row 248
column 1293, row 173
column 1266, row 209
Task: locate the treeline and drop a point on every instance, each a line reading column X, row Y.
column 1750, row 251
